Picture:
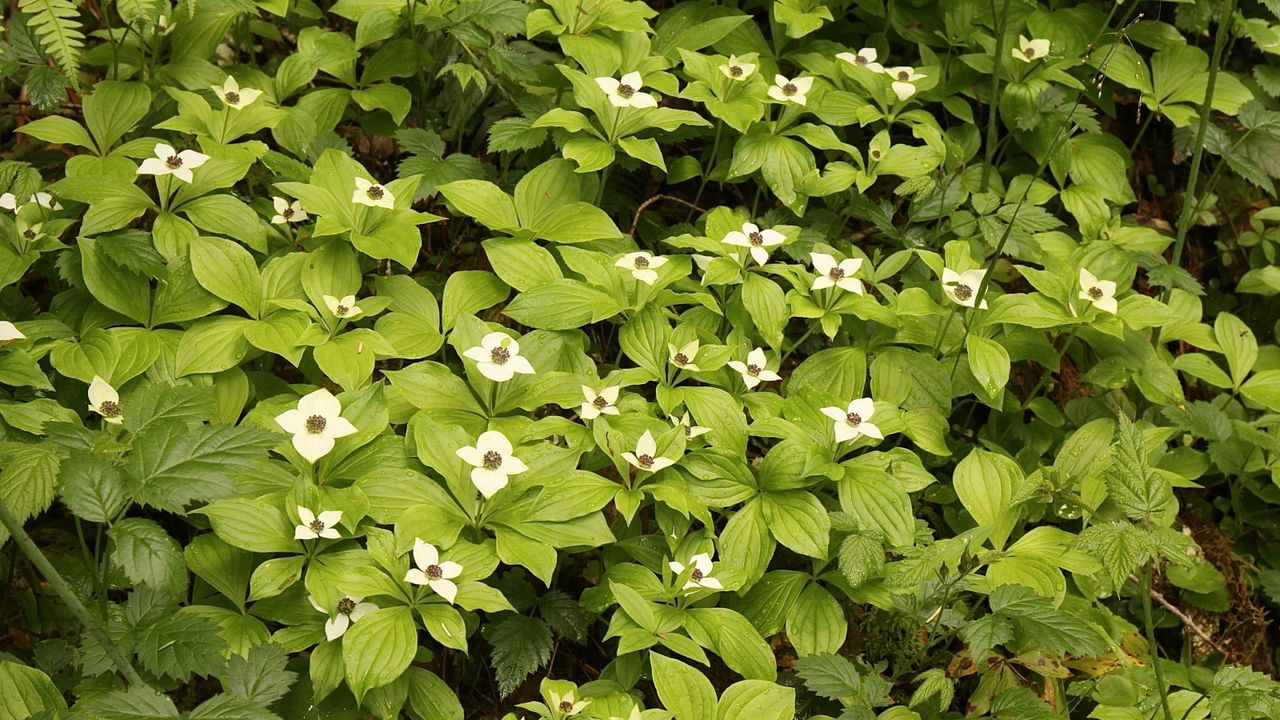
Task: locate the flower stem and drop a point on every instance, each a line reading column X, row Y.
column 1151, row 640
column 993, row 112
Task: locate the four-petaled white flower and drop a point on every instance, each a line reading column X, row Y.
column 866, row 57
column 343, row 307
column 235, row 96
column 646, row 456
column 643, row 265
column 700, row 577
column 171, row 162
column 852, row 422
column 492, row 462
column 794, row 90
column 1028, row 51
column 432, row 572
column 599, row 403
column 567, row 704
column 104, row 400
column 962, row 288
column 315, row 424
column 753, row 370
column 312, row 526
column 287, row 212
column 691, row 431
column 348, row 612
column 27, row 232
column 904, row 79
column 737, row 70
column 626, row 91
column 683, row 357
column 836, row 274
column 9, row 201
column 1102, row 293
column 757, row 241
column 372, row 194
column 498, row 357
column 9, row 331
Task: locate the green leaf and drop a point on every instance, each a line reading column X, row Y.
column 520, row 646
column 816, row 624
column 798, row 520
column 431, row 698
column 147, row 554
column 227, row 270
column 988, row 485
column 1238, row 343
column 173, row 463
column 26, row 692
column 685, row 692
column 57, row 24
column 181, row 644
column 1044, row 626
column 251, row 525
column 758, row 700
column 378, row 649
column 92, row 487
column 1140, row 491
column 28, row 480
column 468, row 292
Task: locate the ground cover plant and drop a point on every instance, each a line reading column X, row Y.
column 692, row 360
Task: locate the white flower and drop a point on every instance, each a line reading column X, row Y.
column 286, row 212
column 171, row 162
column 492, row 462
column 866, row 57
column 29, row 232
column 1102, row 293
column 344, row 307
column 851, row 422
column 104, row 400
column 498, row 357
column 753, row 370
column 737, row 70
column 756, row 240
column 701, row 575
column 567, row 704
column 10, row 202
column 643, row 266
column 9, row 331
column 833, row 274
column 795, row 90
column 1028, row 51
column 646, row 456
column 683, row 357
column 904, row 79
column 599, row 403
column 690, row 431
column 431, row 572
column 313, row 526
column 235, row 96
column 372, row 194
column 162, row 25
column 626, row 92
column 315, row 424
column 348, row 612
column 962, row 288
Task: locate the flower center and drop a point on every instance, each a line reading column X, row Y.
column 904, row 76
column 756, row 238
column 232, row 97
column 875, row 154
column 499, row 355
column 853, row 418
column 109, row 409
column 735, row 70
column 341, row 310
column 492, row 460
column 696, row 575
column 1095, row 293
column 962, row 291
column 681, row 359
column 29, row 234
column 434, row 572
column 375, row 192
column 625, row 91
column 600, row 402
column 789, row 89
column 688, row 431
column 642, row 261
column 859, row 60
column 753, row 369
column 316, row 525
column 346, row 606
column 173, row 161
column 287, row 212
column 566, row 706
column 645, row 460
column 316, row 424
column 836, row 273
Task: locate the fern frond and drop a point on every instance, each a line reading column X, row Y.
column 57, row 24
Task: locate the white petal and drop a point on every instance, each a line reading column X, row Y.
column 100, row 391
column 834, row 413
column 512, row 465
column 1108, row 304
column 903, row 90
column 711, row 583
column 822, row 282
column 477, row 353
column 184, row 174
column 661, row 463
column 302, row 532
column 9, row 331
column 633, row 79
column 192, row 159
column 871, row 430
column 163, row 151
column 610, row 394
column 339, row 427
column 361, row 609
column 305, row 515
column 863, row 408
column 471, row 455
column 646, row 276
column 608, row 85
column 643, row 100
column 822, row 262
column 330, row 302
column 450, row 569
column 702, row 562
column 738, row 365
column 362, row 184
column 803, row 84
column 756, row 357
column 844, row 431
column 520, row 364
column 736, row 238
column 488, row 482
column 280, row 204
column 320, row 402
column 759, row 254
column 646, row 444
column 776, row 93
column 330, row 518
column 334, row 627
column 312, row 446
column 415, row 577
column 445, row 589
column 676, row 567
column 424, row 553
column 153, row 166
column 495, row 441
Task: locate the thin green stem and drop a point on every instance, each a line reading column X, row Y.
column 1151, row 641
column 1197, row 155
column 68, row 595
column 993, row 112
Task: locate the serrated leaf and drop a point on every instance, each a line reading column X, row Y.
column 520, row 646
